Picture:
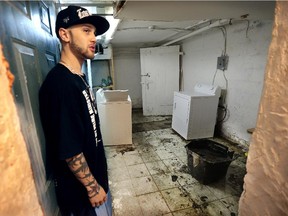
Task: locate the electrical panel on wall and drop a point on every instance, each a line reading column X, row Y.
column 222, row 62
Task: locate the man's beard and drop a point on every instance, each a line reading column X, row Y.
column 78, row 51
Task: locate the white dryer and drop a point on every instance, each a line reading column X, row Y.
column 194, row 113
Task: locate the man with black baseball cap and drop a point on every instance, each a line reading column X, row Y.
column 70, row 119
column 77, row 15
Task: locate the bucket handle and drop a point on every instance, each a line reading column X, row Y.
column 219, row 147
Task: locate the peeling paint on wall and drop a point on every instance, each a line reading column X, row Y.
column 265, row 184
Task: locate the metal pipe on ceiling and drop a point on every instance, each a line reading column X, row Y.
column 187, row 28
column 212, row 25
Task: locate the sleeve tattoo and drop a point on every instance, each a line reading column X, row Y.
column 80, row 169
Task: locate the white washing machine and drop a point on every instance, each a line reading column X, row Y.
column 194, row 113
column 115, row 112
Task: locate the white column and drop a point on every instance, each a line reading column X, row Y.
column 89, row 72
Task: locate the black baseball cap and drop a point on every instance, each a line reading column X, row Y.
column 73, row 15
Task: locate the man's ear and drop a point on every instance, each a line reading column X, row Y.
column 64, row 34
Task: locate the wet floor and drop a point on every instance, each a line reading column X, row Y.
column 151, row 177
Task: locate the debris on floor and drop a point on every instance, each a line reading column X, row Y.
column 151, row 176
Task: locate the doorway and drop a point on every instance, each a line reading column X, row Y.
column 159, row 79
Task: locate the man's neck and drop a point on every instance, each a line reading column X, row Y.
column 72, row 63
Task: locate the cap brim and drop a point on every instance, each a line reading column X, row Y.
column 100, row 23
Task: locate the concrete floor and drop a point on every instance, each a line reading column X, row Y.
column 151, row 177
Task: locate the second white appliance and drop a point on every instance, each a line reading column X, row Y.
column 194, row 113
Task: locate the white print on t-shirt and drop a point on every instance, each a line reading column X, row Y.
column 92, row 112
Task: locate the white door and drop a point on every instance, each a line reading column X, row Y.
column 159, row 79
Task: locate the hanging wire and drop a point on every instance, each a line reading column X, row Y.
column 247, row 29
column 226, row 82
column 224, row 32
column 224, row 107
column 224, row 53
column 225, row 110
column 214, row 76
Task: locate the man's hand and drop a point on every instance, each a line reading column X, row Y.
column 80, row 169
column 98, row 199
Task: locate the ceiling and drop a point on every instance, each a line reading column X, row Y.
column 154, row 23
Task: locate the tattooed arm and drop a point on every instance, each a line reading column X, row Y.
column 80, row 169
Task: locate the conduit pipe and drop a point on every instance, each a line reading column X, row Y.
column 187, row 28
column 213, row 25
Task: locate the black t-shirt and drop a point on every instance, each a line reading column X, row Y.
column 71, row 125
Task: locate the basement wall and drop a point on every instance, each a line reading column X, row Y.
column 247, row 51
column 128, row 73
column 265, row 184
